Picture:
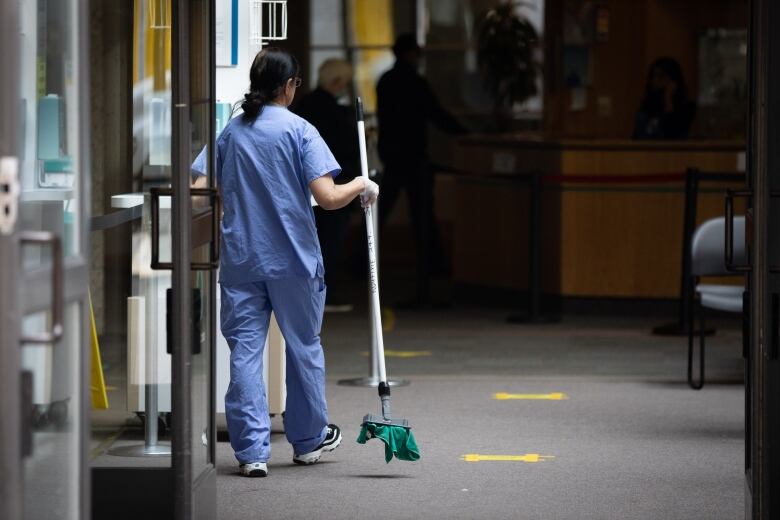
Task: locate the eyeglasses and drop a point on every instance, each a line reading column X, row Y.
column 297, row 81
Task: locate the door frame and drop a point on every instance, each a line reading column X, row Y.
column 193, row 497
column 762, row 402
column 181, row 238
column 85, row 209
column 10, row 381
column 20, row 293
column 24, row 292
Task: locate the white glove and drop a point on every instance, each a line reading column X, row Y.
column 370, row 192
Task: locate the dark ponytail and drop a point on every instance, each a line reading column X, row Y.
column 267, row 77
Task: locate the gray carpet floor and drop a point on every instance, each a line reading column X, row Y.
column 630, row 442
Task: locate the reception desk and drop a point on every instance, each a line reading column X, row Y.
column 611, row 211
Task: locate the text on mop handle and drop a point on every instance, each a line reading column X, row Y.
column 372, row 266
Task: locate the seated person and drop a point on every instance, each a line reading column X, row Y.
column 666, row 111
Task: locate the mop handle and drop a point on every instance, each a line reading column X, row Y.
column 372, row 267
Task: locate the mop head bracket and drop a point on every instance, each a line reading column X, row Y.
column 378, row 419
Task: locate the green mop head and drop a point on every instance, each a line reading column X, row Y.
column 397, row 436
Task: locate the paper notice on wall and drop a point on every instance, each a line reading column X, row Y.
column 741, row 162
column 503, row 163
column 226, row 33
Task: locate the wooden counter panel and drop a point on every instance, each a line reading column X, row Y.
column 506, row 161
column 609, row 158
column 490, row 236
column 535, row 141
column 643, row 162
column 594, row 243
column 601, row 237
column 626, row 244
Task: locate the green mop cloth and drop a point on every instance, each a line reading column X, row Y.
column 399, row 441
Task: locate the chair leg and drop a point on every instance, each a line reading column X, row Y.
column 702, row 335
column 696, row 385
column 692, row 308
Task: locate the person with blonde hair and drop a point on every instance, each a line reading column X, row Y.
column 334, row 75
column 336, row 124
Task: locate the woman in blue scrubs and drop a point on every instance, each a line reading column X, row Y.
column 269, row 162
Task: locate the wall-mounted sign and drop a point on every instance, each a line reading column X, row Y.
column 226, row 33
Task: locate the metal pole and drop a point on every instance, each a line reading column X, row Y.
column 534, row 284
column 150, row 431
column 689, row 224
column 150, row 399
column 682, row 325
column 533, row 313
column 181, row 364
column 151, row 446
column 373, row 362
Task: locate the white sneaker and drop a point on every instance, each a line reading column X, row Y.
column 254, row 469
column 331, row 442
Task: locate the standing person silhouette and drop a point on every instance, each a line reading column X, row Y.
column 405, row 105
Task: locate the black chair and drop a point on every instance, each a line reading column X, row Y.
column 708, row 259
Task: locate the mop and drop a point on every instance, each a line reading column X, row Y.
column 395, row 433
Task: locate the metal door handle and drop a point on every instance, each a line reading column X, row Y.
column 729, row 242
column 46, row 238
column 26, row 381
column 155, row 194
column 746, row 326
column 774, row 323
column 216, row 210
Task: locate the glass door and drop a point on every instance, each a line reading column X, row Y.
column 44, row 240
column 166, row 466
column 11, row 403
column 194, row 247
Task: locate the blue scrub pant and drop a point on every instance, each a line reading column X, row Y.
column 245, row 316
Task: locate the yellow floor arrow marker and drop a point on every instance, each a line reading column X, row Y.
column 403, row 353
column 529, row 457
column 557, row 396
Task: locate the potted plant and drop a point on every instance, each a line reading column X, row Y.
column 506, row 44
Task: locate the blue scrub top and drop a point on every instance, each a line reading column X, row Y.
column 264, row 168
